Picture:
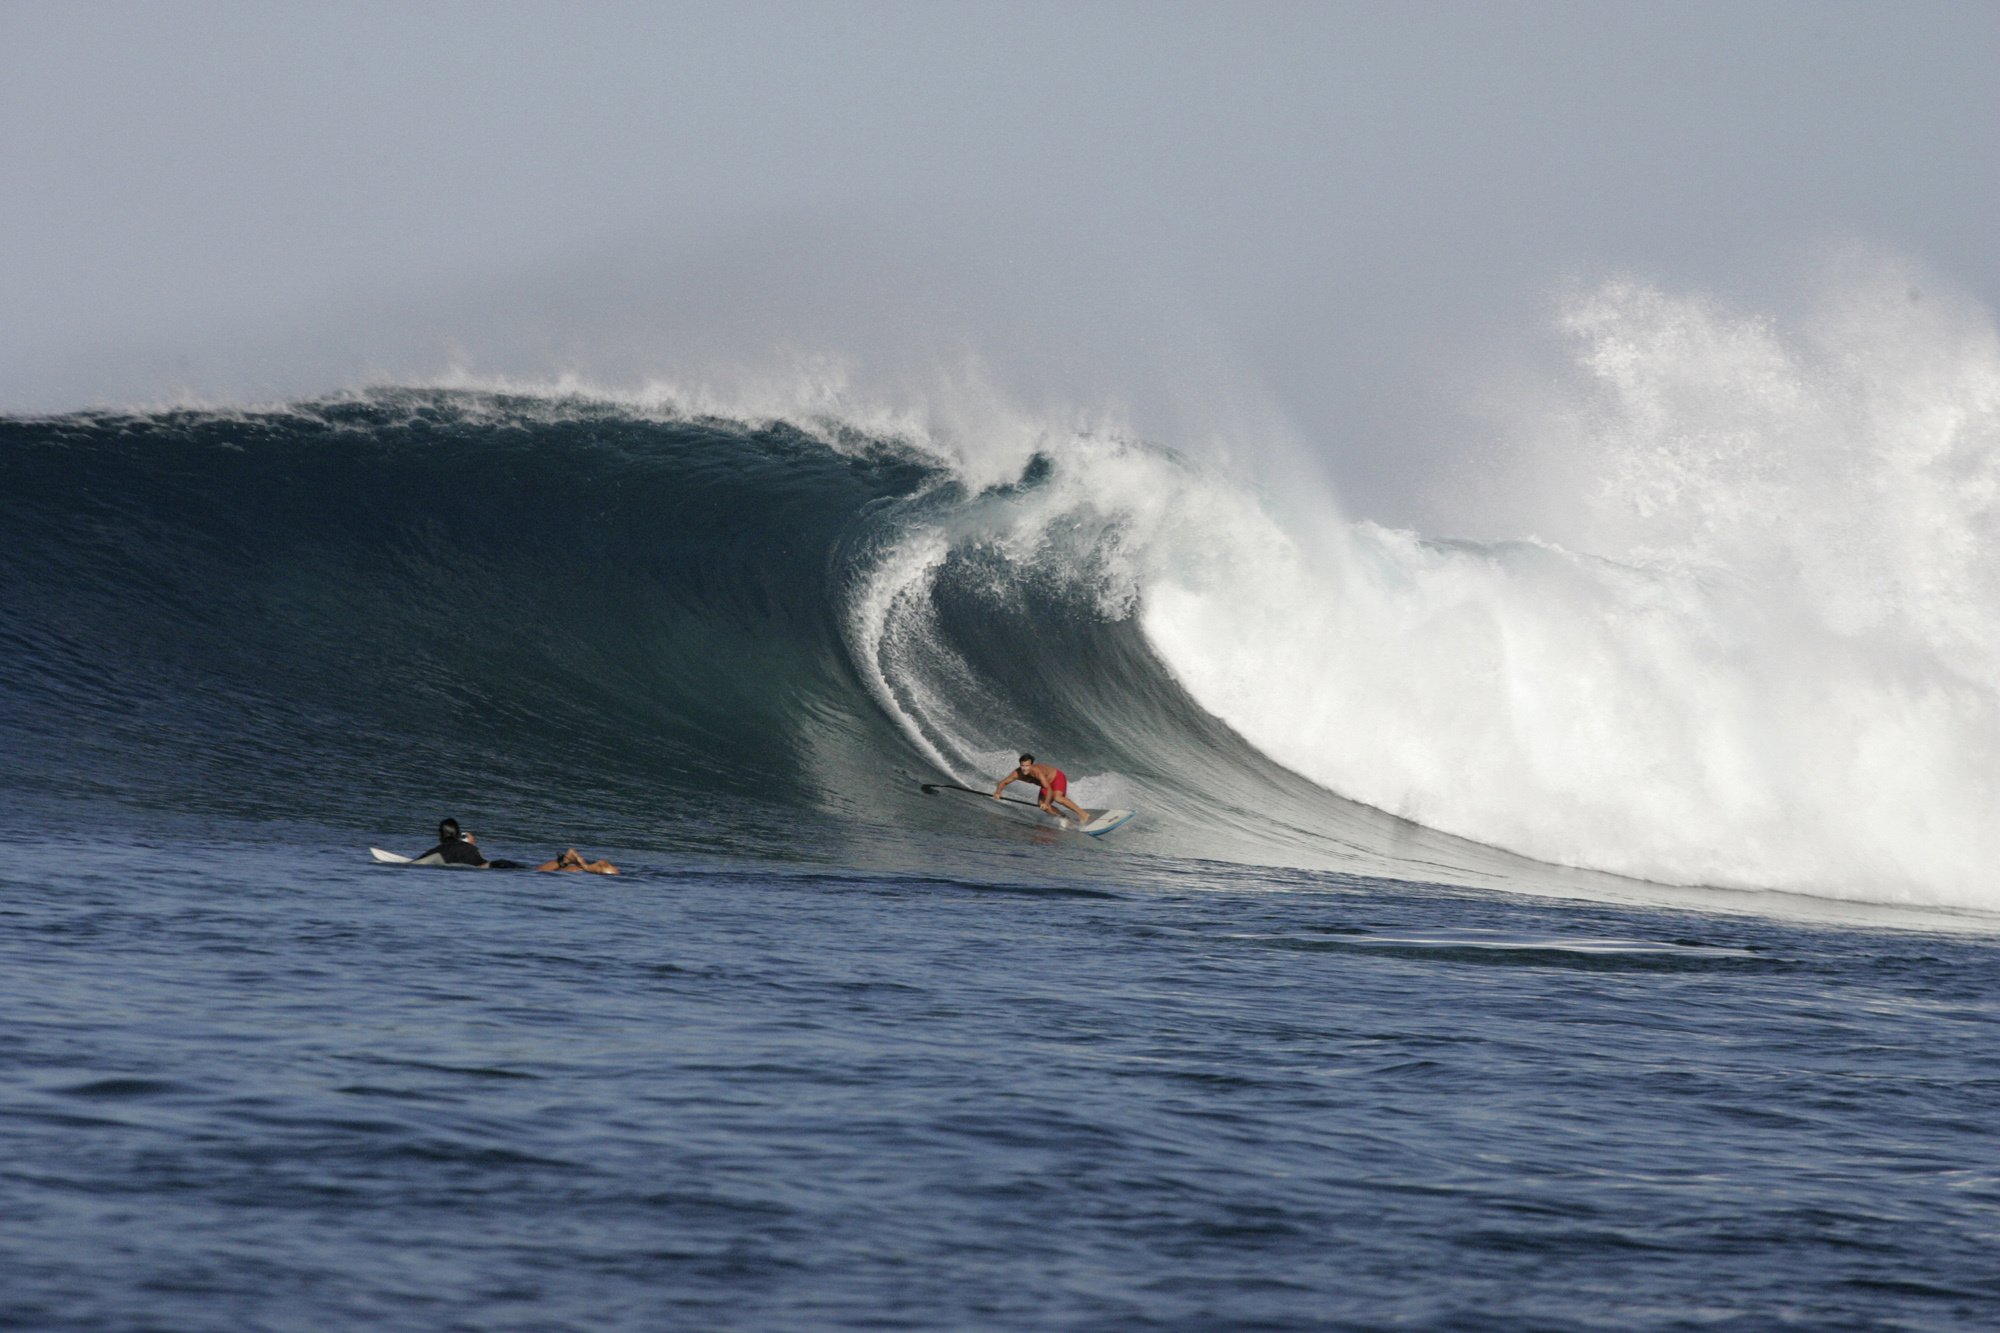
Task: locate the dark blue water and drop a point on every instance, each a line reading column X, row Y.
column 266, row 1085
column 831, row 1052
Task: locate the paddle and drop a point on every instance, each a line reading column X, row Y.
column 933, row 788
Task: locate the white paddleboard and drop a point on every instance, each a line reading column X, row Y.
column 1105, row 821
column 1099, row 824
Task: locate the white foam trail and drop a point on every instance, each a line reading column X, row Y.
column 888, row 624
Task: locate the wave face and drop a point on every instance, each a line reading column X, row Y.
column 342, row 607
column 625, row 626
column 648, row 628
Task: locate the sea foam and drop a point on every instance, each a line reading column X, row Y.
column 1764, row 652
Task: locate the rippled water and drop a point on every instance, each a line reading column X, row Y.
column 269, row 1086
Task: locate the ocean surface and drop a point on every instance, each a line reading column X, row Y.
column 1483, row 955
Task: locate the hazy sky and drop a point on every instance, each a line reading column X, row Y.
column 1338, row 201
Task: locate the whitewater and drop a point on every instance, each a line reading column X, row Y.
column 1760, row 650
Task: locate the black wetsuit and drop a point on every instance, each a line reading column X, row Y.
column 455, row 852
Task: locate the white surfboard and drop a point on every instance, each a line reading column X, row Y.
column 1106, row 820
column 391, row 859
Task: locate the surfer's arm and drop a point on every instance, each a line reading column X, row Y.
column 1005, row 783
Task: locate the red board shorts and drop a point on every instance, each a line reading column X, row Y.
column 1059, row 785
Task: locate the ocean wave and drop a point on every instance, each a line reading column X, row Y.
column 644, row 618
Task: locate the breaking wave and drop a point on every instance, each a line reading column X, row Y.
column 1755, row 644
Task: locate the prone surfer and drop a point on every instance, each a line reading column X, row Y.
column 575, row 860
column 1054, row 787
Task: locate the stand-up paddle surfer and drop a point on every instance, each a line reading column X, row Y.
column 1054, row 787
